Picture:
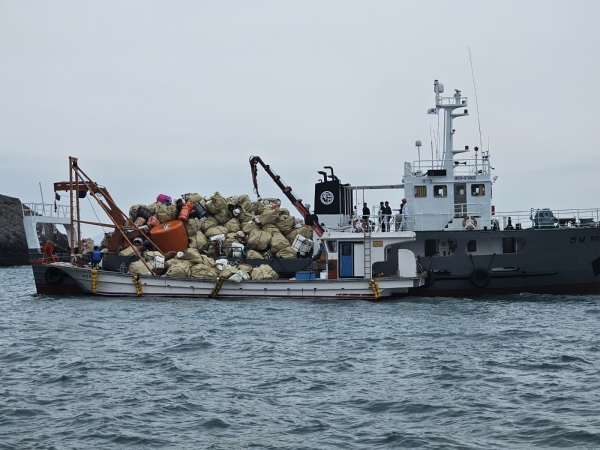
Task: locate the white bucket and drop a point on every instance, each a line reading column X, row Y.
column 323, row 275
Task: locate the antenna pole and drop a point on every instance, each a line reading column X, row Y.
column 476, row 101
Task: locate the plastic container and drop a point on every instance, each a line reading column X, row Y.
column 305, row 275
column 185, row 212
column 170, row 236
column 323, row 274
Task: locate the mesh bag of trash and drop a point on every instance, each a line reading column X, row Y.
column 178, row 262
column 138, row 267
column 245, row 217
column 286, row 223
column 246, row 268
column 302, row 231
column 271, row 201
column 264, row 272
column 269, row 216
column 133, row 211
column 192, row 254
column 284, row 212
column 271, row 229
column 253, row 254
column 216, row 203
column 150, row 254
column 209, row 223
column 278, row 242
column 153, row 207
column 228, row 272
column 192, row 226
column 192, row 197
column 233, row 226
column 245, row 202
column 249, row 226
column 203, row 271
column 127, row 251
column 222, row 216
column 201, row 241
column 166, row 213
column 286, row 253
column 259, row 240
column 178, row 271
column 214, row 231
column 257, row 208
column 106, row 240
column 87, row 246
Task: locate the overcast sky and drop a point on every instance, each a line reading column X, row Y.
column 174, row 96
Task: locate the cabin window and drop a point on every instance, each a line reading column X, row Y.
column 477, row 190
column 440, row 190
column 420, row 191
column 472, row 246
column 440, row 247
column 332, row 246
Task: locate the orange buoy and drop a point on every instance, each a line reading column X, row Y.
column 186, row 211
column 170, row 236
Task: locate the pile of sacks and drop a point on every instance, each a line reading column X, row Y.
column 233, row 226
column 192, row 263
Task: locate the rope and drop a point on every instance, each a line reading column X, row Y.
column 98, row 218
column 217, row 288
column 94, row 281
column 375, row 287
column 138, row 285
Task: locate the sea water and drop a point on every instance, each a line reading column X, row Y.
column 493, row 372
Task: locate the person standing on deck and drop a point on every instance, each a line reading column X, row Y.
column 404, row 211
column 381, row 217
column 387, row 215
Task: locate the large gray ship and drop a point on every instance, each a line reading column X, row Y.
column 464, row 245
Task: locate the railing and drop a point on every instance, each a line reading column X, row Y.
column 45, row 210
column 562, row 218
column 481, row 166
column 453, row 101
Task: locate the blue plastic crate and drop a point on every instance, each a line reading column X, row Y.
column 305, row 275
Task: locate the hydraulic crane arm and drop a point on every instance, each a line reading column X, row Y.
column 287, row 191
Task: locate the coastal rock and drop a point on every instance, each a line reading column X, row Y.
column 13, row 244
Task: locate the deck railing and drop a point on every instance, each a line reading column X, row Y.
column 46, row 210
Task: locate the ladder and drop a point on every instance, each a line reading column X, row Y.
column 367, row 252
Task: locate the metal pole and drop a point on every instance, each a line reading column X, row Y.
column 72, row 240
column 79, row 241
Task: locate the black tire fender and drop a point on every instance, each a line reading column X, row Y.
column 480, row 278
column 430, row 279
column 54, row 275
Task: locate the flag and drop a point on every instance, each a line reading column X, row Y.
column 432, row 111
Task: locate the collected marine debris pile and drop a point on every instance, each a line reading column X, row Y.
column 197, row 234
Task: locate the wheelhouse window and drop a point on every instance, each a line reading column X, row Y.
column 477, row 190
column 332, row 246
column 420, row 191
column 440, row 190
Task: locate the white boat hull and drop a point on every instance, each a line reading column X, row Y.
column 122, row 284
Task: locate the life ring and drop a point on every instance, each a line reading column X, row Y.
column 54, row 275
column 469, row 223
column 480, row 278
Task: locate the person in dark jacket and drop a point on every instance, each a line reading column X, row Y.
column 387, row 215
column 96, row 257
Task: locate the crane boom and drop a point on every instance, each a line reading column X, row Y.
column 287, row 191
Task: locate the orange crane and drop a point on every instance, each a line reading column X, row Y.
column 310, row 219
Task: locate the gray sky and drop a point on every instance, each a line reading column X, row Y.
column 174, row 96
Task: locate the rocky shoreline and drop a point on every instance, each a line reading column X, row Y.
column 13, row 244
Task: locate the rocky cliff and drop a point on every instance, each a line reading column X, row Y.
column 13, row 245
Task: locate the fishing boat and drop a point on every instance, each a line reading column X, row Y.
column 71, row 274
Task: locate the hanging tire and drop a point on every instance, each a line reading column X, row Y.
column 54, row 275
column 480, row 278
column 430, row 279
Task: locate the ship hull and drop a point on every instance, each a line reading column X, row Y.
column 119, row 284
column 551, row 261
